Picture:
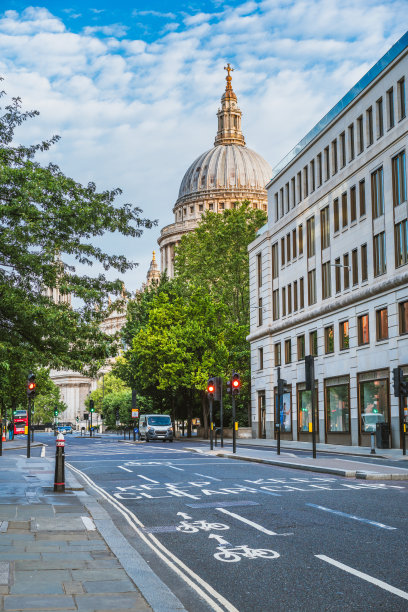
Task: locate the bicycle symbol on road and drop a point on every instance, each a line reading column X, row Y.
column 232, row 555
column 197, row 526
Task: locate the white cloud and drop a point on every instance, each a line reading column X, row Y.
column 135, row 113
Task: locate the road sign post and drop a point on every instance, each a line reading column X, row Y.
column 234, row 433
column 281, row 389
column 310, row 386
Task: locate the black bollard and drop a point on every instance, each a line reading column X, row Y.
column 59, row 480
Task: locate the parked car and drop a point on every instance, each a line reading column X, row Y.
column 64, row 429
column 155, row 427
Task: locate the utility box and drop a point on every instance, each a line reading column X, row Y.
column 382, row 432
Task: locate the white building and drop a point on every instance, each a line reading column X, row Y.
column 329, row 273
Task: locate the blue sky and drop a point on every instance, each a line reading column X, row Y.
column 133, row 88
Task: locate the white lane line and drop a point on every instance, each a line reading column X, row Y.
column 88, row 522
column 352, row 516
column 203, row 588
column 123, row 468
column 149, row 479
column 209, row 477
column 175, row 468
column 351, row 570
column 247, row 521
column 43, row 451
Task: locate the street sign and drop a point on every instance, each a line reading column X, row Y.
column 136, row 429
column 135, row 413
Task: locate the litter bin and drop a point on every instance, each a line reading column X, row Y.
column 382, row 432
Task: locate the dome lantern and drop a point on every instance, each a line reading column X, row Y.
column 229, row 116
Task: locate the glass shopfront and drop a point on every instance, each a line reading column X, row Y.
column 284, row 413
column 305, row 412
column 373, row 392
column 337, row 408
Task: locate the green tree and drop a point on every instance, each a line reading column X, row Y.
column 45, row 217
column 107, row 384
column 47, row 399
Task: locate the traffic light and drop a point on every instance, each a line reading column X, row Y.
column 77, row 419
column 228, row 385
column 281, row 386
column 309, row 372
column 235, row 383
column 55, row 412
column 91, row 405
column 117, row 414
column 211, row 387
column 400, row 385
column 31, row 386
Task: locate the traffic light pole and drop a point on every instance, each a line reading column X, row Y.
column 234, row 433
column 29, row 427
column 312, row 399
column 211, row 423
column 90, row 427
column 221, row 414
column 402, row 426
column 277, row 417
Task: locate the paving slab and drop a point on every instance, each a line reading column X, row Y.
column 39, row 602
column 108, row 586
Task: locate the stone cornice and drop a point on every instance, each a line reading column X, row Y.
column 376, row 288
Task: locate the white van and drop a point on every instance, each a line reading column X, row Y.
column 155, row 427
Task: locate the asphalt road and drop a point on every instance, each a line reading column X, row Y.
column 232, row 535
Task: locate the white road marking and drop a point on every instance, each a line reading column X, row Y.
column 219, row 539
column 247, row 521
column 123, row 468
column 88, row 522
column 352, row 516
column 363, row 576
column 205, row 590
column 175, row 468
column 184, row 515
column 210, row 477
column 43, row 451
column 149, row 479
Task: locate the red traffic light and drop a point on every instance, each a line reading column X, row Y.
column 31, row 386
column 235, row 383
column 211, row 386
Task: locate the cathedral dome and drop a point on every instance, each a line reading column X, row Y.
column 225, row 166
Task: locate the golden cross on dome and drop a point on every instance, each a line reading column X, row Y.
column 229, row 69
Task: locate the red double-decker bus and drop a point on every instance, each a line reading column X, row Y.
column 20, row 419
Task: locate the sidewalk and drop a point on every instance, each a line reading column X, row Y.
column 62, row 551
column 323, row 463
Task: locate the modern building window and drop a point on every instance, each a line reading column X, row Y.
column 295, row 296
column 312, row 176
column 326, row 164
column 381, row 317
column 346, row 271
column 305, row 182
column 336, row 215
column 275, row 305
column 353, row 204
column 319, row 170
column 301, row 347
column 293, row 189
column 354, row 265
column 282, row 204
column 276, row 206
column 313, row 343
column 300, row 239
column 334, row 156
column 362, row 330
column 337, row 406
column 390, row 108
column 282, row 251
column 401, row 99
column 344, row 335
column 259, row 268
column 311, row 287
column 401, row 245
column 294, row 244
column 329, row 339
column 380, row 118
column 361, row 190
column 260, row 312
column 288, row 248
column 301, row 293
column 326, row 280
column 344, row 215
column 310, row 235
column 275, row 260
column 343, row 158
column 283, row 301
column 337, row 272
column 380, row 264
column 360, row 134
column 277, row 351
column 351, row 142
column 399, row 179
column 299, row 186
column 287, row 198
column 325, row 227
column 369, row 124
column 288, row 351
column 289, row 299
column 403, row 317
column 260, row 359
column 364, row 263
column 377, row 192
column 373, row 400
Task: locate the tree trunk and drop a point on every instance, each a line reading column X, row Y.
column 206, row 411
column 189, row 412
